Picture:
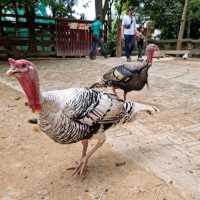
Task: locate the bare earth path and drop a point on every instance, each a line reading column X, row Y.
column 160, row 154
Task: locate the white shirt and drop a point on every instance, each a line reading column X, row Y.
column 126, row 21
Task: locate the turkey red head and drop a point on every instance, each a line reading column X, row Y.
column 26, row 73
column 150, row 50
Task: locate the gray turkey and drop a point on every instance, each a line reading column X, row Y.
column 75, row 114
column 129, row 77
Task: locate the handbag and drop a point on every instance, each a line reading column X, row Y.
column 129, row 25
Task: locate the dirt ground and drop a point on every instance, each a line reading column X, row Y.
column 152, row 158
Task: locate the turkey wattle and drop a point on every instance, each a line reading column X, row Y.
column 75, row 114
column 129, row 77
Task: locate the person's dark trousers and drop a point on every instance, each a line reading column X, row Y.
column 140, row 46
column 129, row 44
column 95, row 41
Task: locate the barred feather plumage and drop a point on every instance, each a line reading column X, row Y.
column 75, row 114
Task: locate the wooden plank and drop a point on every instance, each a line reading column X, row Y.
column 41, row 53
column 175, row 52
column 43, row 26
column 21, row 43
column 48, row 18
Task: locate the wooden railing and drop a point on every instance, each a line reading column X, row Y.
column 187, row 44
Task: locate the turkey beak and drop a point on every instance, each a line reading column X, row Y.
column 157, row 51
column 11, row 71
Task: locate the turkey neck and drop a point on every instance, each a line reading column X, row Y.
column 150, row 57
column 50, row 117
column 50, row 107
column 30, row 84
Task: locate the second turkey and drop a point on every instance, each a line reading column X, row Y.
column 129, row 77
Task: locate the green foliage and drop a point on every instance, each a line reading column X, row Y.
column 166, row 16
column 122, row 5
column 194, row 12
column 193, row 18
column 59, row 8
column 112, row 38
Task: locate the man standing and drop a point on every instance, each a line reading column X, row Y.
column 129, row 31
column 96, row 28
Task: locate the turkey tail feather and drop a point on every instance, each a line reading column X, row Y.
column 128, row 110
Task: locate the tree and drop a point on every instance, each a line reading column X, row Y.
column 165, row 15
column 98, row 8
column 107, row 11
column 193, row 22
column 182, row 26
column 61, row 8
column 29, row 7
column 121, row 6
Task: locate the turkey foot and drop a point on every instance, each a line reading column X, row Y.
column 81, row 169
column 147, row 108
column 151, row 109
column 84, row 159
column 84, row 151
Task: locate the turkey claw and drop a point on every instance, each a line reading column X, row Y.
column 81, row 169
column 152, row 109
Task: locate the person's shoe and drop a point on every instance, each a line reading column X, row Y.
column 92, row 57
column 140, row 59
column 105, row 56
column 128, row 59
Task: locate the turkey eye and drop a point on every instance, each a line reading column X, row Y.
column 23, row 65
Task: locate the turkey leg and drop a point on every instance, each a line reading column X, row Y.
column 148, row 108
column 83, row 163
column 85, row 146
column 114, row 91
column 125, row 93
column 84, row 151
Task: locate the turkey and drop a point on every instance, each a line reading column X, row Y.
column 129, row 77
column 74, row 114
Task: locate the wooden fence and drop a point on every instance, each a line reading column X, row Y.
column 73, row 38
column 187, row 44
column 45, row 37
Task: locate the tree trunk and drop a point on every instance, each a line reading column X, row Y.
column 54, row 12
column 17, row 19
column 1, row 26
column 107, row 12
column 98, row 7
column 105, row 9
column 119, row 31
column 119, row 39
column 30, row 14
column 182, row 26
column 189, row 22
